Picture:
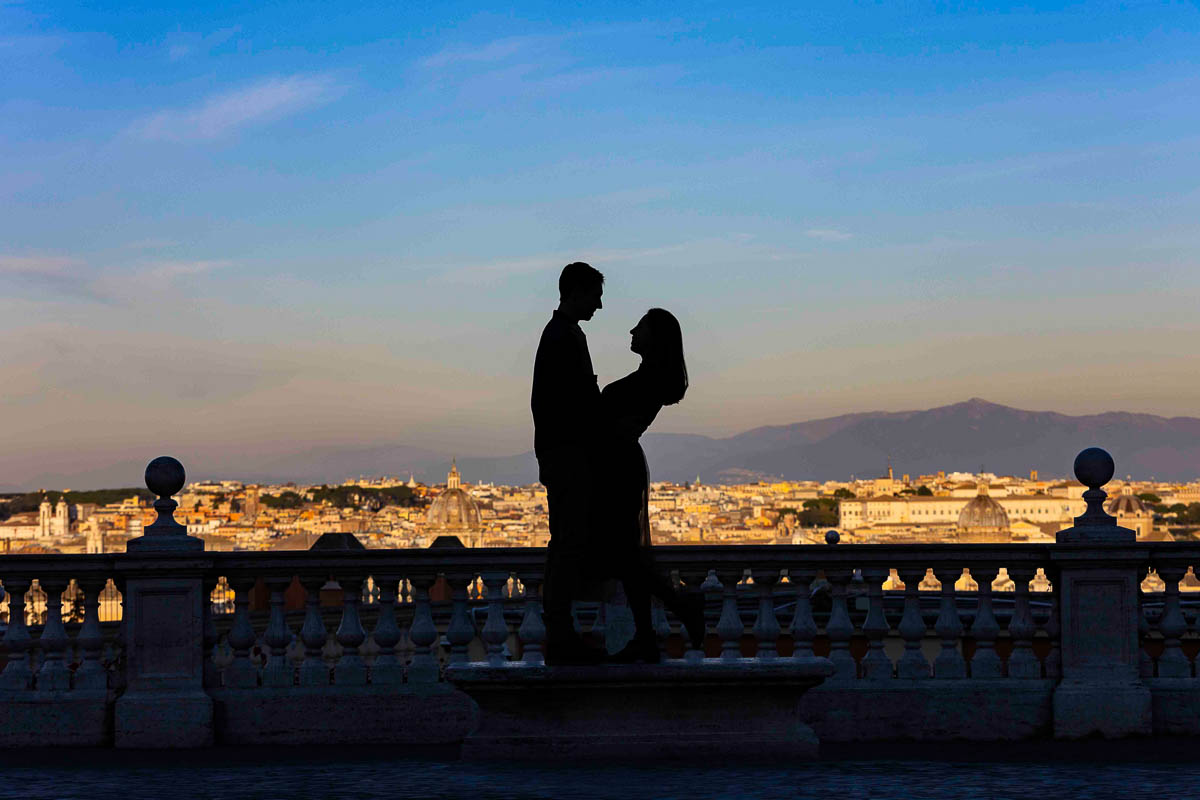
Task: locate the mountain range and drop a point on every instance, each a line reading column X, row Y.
column 967, row 437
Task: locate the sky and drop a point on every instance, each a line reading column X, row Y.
column 233, row 232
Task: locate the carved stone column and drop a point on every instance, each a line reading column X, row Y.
column 1101, row 691
column 164, row 704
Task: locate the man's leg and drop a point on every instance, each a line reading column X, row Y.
column 564, row 571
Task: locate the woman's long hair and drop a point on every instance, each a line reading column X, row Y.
column 666, row 358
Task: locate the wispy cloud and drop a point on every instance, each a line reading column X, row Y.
column 534, row 64
column 35, row 265
column 59, row 275
column 155, row 278
column 496, row 50
column 71, row 277
column 181, row 45
column 222, row 114
column 503, row 269
column 827, row 234
column 151, row 244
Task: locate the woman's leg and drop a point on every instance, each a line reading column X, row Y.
column 689, row 608
column 638, row 592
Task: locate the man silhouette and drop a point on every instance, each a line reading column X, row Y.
column 565, row 403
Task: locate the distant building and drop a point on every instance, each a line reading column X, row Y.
column 983, row 519
column 455, row 513
column 918, row 510
column 1131, row 512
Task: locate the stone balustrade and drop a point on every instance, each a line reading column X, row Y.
column 168, row 645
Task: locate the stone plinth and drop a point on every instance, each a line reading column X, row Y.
column 410, row 714
column 928, row 710
column 1101, row 692
column 61, row 719
column 736, row 710
column 164, row 704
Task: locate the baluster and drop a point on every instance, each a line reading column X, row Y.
column 1053, row 663
column 91, row 675
column 913, row 664
column 804, row 627
column 54, row 675
column 986, row 663
column 1022, row 663
column 387, row 669
column 692, row 580
column 17, row 677
column 495, row 630
column 211, row 676
column 313, row 670
column 241, row 674
column 1172, row 663
column 1145, row 663
column 423, row 633
column 121, row 639
column 766, row 626
column 949, row 662
column 35, row 611
column 350, row 669
column 278, row 670
column 876, row 664
column 662, row 625
column 730, row 626
column 840, row 628
column 461, row 631
column 532, row 632
column 404, row 649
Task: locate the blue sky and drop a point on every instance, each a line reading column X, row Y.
column 236, row 231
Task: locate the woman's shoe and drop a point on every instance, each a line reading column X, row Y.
column 644, row 650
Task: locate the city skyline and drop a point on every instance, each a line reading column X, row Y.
column 238, row 234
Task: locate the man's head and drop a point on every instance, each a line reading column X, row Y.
column 579, row 289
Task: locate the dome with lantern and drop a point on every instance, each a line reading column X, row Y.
column 453, row 511
column 983, row 519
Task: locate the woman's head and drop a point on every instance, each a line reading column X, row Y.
column 658, row 339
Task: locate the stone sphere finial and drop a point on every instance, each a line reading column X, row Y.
column 165, row 476
column 1094, row 467
column 832, row 537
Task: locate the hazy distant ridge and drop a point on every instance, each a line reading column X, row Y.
column 963, row 436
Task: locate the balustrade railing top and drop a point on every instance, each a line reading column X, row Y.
column 883, row 614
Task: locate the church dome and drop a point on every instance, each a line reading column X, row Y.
column 1126, row 504
column 453, row 509
column 983, row 513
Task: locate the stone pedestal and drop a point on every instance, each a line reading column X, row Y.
column 715, row 711
column 1096, row 586
column 164, row 704
column 1100, row 691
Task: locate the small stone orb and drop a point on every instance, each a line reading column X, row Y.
column 832, row 537
column 164, row 476
column 1094, row 467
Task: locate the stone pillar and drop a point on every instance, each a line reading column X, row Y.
column 164, row 704
column 1101, row 691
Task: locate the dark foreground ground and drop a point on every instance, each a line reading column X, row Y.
column 1094, row 769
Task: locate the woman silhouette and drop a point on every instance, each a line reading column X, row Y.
column 627, row 407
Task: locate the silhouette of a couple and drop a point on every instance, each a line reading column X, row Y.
column 595, row 473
